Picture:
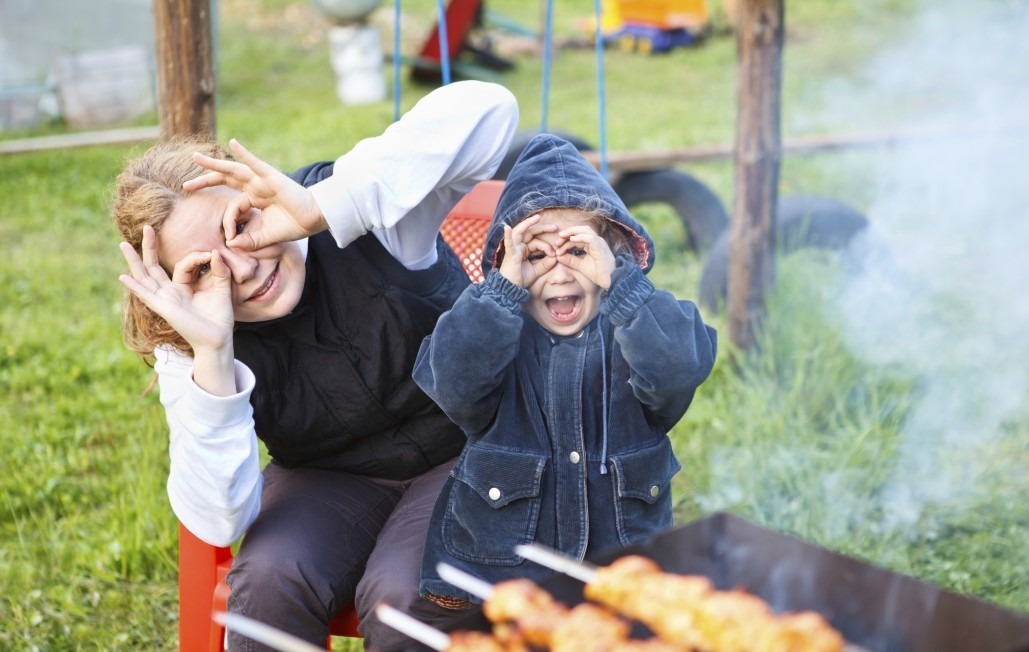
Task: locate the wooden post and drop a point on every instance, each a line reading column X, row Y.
column 185, row 69
column 759, row 40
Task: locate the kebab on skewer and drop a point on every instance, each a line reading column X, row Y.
column 687, row 610
column 524, row 612
column 460, row 641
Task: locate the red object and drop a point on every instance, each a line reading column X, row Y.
column 467, row 224
column 203, row 567
column 461, row 17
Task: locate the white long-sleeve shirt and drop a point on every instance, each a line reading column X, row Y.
column 399, row 186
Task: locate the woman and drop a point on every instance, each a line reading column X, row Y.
column 291, row 309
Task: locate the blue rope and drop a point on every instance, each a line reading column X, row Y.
column 547, row 42
column 396, row 60
column 444, row 45
column 601, row 102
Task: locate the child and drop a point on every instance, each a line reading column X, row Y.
column 565, row 368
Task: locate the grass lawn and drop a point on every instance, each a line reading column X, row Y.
column 883, row 415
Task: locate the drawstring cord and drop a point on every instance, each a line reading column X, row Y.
column 604, row 407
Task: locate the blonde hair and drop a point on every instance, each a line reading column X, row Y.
column 146, row 192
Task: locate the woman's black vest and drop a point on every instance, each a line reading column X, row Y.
column 334, row 386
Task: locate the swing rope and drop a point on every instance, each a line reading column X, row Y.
column 444, row 51
column 548, row 35
column 444, row 45
column 396, row 60
column 598, row 39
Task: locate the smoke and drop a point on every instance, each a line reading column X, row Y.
column 955, row 214
column 945, row 305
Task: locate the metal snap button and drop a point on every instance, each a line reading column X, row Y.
column 494, row 494
column 573, row 457
column 654, row 491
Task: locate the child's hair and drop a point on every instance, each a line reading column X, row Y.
column 146, row 192
column 614, row 233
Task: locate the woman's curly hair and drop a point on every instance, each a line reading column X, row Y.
column 146, row 192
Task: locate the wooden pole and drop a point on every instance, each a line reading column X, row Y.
column 759, row 40
column 185, row 69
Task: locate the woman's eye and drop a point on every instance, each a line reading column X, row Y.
column 536, row 256
column 240, row 227
column 202, row 270
column 577, row 252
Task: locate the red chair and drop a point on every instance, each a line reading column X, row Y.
column 203, row 567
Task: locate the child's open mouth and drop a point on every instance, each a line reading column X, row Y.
column 564, row 309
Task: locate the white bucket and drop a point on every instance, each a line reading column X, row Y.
column 356, row 54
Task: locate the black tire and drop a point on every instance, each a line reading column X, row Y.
column 702, row 213
column 803, row 221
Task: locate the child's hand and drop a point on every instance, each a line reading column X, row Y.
column 585, row 251
column 201, row 312
column 289, row 210
column 527, row 257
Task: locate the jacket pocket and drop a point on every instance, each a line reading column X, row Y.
column 643, row 490
column 493, row 505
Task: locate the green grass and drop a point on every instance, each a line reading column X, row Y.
column 801, row 435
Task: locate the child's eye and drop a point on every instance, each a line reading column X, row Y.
column 577, row 252
column 240, row 227
column 536, row 256
column 202, row 270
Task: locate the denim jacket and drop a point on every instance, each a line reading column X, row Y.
column 567, row 436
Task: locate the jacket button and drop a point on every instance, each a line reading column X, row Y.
column 573, row 457
column 654, row 491
column 494, row 494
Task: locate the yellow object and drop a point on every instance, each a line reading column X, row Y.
column 691, row 15
column 662, row 14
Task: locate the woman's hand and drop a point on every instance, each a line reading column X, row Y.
column 203, row 317
column 583, row 250
column 289, row 211
column 527, row 257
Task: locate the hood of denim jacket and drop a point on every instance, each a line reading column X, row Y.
column 551, row 173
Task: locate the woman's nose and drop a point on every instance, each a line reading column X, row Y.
column 241, row 265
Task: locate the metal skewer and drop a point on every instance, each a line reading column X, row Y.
column 262, row 633
column 412, row 627
column 464, row 581
column 544, row 556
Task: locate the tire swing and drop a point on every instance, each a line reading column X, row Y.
column 804, row 221
column 701, row 212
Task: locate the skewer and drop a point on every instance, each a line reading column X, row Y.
column 412, row 627
column 262, row 633
column 464, row 581
column 580, row 570
column 458, row 641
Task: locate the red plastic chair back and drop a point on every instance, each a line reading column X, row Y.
column 203, row 567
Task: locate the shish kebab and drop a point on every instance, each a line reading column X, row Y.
column 524, row 613
column 686, row 610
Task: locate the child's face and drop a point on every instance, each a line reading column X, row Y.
column 563, row 300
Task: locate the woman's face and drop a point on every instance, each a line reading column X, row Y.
column 266, row 284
